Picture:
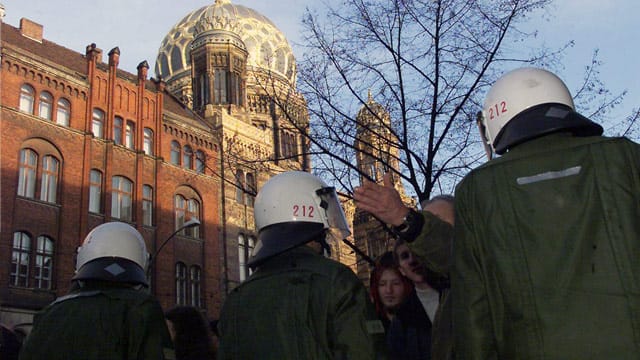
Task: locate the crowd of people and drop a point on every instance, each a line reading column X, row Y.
column 535, row 259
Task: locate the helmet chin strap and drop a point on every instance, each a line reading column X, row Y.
column 325, row 249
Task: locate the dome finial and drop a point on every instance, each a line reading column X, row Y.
column 369, row 97
column 222, row 2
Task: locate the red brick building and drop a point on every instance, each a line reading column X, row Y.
column 83, row 143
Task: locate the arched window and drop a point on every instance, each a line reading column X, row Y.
column 121, row 198
column 44, row 262
column 187, row 157
column 20, row 253
column 95, row 191
column 49, row 183
column 147, row 205
column 27, row 98
column 63, row 112
column 117, row 130
column 130, row 137
column 200, row 161
column 147, row 145
column 27, row 173
column 45, row 107
column 175, row 153
column 181, row 284
column 194, row 279
column 97, row 122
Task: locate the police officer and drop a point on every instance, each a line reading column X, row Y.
column 546, row 247
column 299, row 304
column 109, row 314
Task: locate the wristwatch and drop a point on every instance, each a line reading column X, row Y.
column 411, row 226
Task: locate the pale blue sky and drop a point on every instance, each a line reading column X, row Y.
column 138, row 27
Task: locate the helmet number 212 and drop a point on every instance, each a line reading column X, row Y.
column 497, row 109
column 303, row 210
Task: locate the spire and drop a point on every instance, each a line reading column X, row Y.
column 369, row 97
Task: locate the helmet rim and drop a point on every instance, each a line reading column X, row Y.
column 278, row 238
column 112, row 269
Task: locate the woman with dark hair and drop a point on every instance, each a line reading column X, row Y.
column 388, row 288
column 190, row 332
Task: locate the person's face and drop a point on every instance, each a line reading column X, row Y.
column 409, row 264
column 391, row 289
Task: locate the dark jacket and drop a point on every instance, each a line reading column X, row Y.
column 100, row 323
column 409, row 332
column 300, row 305
column 434, row 247
column 546, row 252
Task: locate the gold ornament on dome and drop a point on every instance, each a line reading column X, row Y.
column 208, row 22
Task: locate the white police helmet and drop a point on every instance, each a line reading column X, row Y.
column 113, row 251
column 293, row 208
column 513, row 111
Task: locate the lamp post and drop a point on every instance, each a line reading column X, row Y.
column 152, row 259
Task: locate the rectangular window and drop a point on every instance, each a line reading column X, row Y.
column 239, row 186
column 121, row 198
column 180, row 204
column 96, row 123
column 245, row 249
column 117, row 130
column 27, row 173
column 148, row 142
column 49, row 184
column 242, row 257
column 194, row 279
column 129, row 139
column 220, row 83
column 181, row 284
column 95, row 191
column 251, row 190
column 44, row 260
column 20, row 259
column 193, row 212
column 147, row 205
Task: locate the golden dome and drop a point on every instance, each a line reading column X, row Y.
column 267, row 47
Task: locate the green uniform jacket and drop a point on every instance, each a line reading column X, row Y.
column 300, row 305
column 546, row 256
column 434, row 248
column 100, row 324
